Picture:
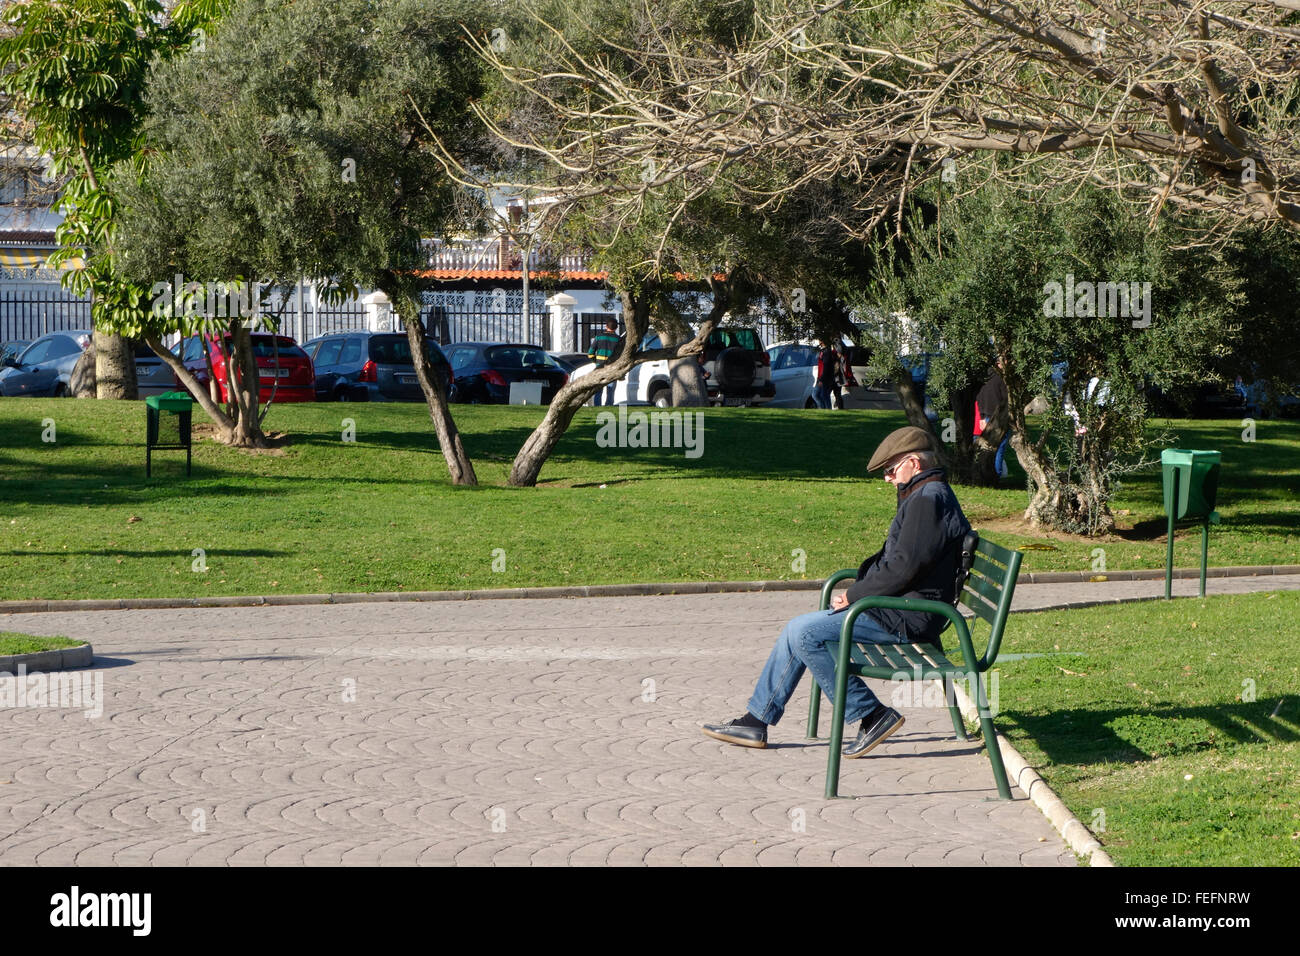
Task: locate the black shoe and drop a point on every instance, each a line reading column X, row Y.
column 874, row 729
column 733, row 732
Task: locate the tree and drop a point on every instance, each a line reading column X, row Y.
column 1189, row 103
column 1082, row 304
column 295, row 144
column 78, row 72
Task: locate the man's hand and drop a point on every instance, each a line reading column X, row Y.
column 839, row 602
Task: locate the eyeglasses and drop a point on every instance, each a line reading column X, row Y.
column 889, row 472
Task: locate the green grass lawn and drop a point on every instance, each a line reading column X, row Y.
column 1172, row 729
column 79, row 519
column 11, row 642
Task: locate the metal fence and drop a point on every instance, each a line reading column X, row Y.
column 587, row 324
column 489, row 315
column 27, row 314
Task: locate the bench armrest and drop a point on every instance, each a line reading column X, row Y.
column 833, row 580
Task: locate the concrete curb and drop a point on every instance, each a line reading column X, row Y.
column 63, row 659
column 1080, row 839
column 1153, row 574
column 594, row 590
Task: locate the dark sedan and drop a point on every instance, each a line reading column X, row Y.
column 361, row 366
column 496, row 373
column 44, row 368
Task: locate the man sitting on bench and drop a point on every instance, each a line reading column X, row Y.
column 919, row 560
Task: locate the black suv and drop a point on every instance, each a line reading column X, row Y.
column 360, row 366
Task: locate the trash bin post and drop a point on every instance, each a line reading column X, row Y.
column 1191, row 485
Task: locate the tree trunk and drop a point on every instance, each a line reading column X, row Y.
column 459, row 466
column 636, row 316
column 911, row 398
column 209, row 405
column 539, row 445
column 114, row 367
column 685, row 374
column 243, row 386
column 82, row 382
column 1071, row 500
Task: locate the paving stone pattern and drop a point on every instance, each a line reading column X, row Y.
column 544, row 732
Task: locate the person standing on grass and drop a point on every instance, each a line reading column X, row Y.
column 919, row 560
column 988, row 406
column 828, row 377
column 603, row 349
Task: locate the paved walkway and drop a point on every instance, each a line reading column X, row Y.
column 555, row 731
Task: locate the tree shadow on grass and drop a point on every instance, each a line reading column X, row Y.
column 1090, row 736
column 1156, row 529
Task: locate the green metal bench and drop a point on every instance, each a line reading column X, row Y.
column 987, row 593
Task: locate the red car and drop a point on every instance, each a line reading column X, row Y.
column 293, row 377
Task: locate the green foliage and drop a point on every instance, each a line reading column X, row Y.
column 294, row 144
column 1000, row 273
column 78, row 71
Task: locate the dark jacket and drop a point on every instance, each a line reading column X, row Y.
column 919, row 559
column 990, row 399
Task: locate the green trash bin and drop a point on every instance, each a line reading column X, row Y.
column 167, row 425
column 1191, row 489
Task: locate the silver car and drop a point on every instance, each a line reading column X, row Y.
column 44, row 368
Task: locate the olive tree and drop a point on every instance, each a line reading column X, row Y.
column 296, row 144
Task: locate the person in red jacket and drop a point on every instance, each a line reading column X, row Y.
column 828, row 377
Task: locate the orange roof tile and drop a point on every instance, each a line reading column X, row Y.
column 507, row 274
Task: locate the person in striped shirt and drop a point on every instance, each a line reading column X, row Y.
column 603, row 349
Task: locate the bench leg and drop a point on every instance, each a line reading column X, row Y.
column 814, row 707
column 950, row 692
column 837, row 721
column 991, row 739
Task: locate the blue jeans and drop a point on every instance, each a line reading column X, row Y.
column 608, row 392
column 803, row 645
column 1002, row 452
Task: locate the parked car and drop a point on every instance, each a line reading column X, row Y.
column 152, row 375
column 292, row 378
column 737, row 371
column 490, row 373
column 794, row 375
column 44, row 368
column 569, row 361
column 361, row 366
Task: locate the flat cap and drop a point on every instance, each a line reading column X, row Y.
column 900, row 442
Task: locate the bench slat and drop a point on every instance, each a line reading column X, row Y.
column 994, row 552
column 990, row 590
column 979, row 605
column 989, row 569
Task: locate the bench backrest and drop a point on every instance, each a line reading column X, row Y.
column 989, row 588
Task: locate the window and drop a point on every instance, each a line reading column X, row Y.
column 263, row 347
column 38, row 351
column 462, row 357
column 513, row 356
column 13, row 187
column 735, row 338
column 329, row 353
column 61, row 346
column 351, row 352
